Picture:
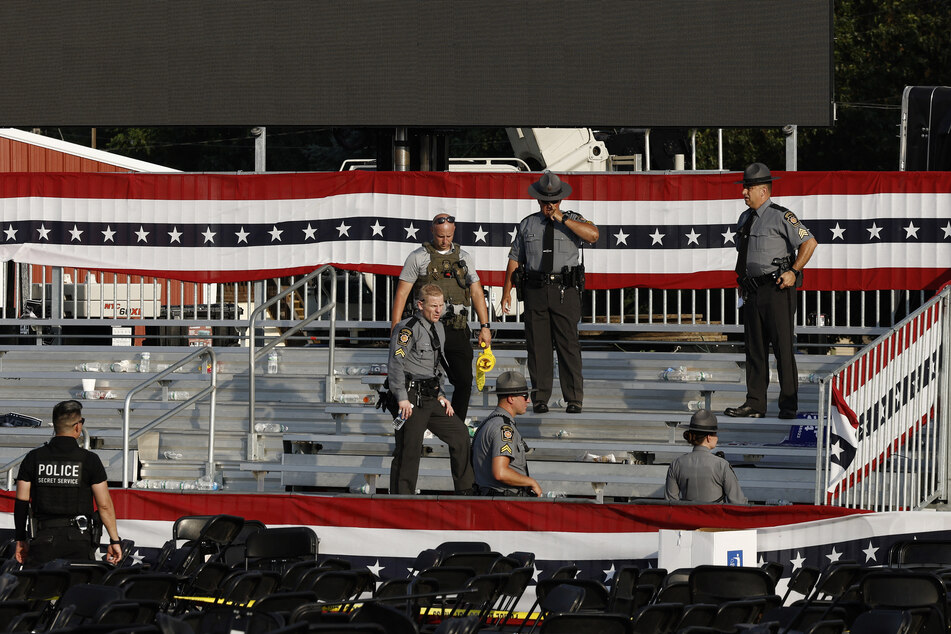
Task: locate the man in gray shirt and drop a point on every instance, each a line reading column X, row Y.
column 773, row 247
column 546, row 252
column 498, row 451
column 415, row 379
column 700, row 476
column 444, row 263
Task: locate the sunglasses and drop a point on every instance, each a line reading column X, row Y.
column 80, row 421
column 523, row 395
column 444, row 220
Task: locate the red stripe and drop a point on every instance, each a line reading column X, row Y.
column 453, row 515
column 817, row 280
column 598, row 187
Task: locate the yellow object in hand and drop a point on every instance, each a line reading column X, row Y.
column 484, row 363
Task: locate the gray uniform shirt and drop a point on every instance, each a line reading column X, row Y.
column 530, row 237
column 497, row 437
column 417, row 262
column 413, row 353
column 702, row 477
column 776, row 233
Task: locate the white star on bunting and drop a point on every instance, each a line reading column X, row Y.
column 797, row 561
column 480, row 234
column 11, row 233
column 44, row 232
column 310, row 233
column 175, row 235
column 142, row 234
column 728, row 236
column 411, row 231
column 275, row 234
column 657, row 237
column 838, row 232
column 911, row 230
column 692, row 237
column 344, row 230
column 209, row 235
column 107, row 235
column 621, row 237
column 870, row 552
column 377, row 229
column 242, row 235
column 874, row 232
column 75, row 233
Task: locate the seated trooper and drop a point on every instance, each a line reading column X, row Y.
column 700, row 476
column 498, row 451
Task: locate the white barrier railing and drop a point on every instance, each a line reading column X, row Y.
column 883, row 419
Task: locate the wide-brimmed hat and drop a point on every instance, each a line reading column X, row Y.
column 510, row 383
column 703, row 422
column 756, row 174
column 549, row 188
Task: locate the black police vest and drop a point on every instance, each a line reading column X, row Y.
column 60, row 487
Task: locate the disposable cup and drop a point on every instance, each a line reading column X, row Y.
column 89, row 385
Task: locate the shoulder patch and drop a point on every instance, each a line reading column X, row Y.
column 506, row 432
column 404, row 336
column 505, row 449
column 791, row 218
column 399, row 353
column 803, row 233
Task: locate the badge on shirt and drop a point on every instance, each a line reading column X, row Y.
column 791, row 218
column 802, row 233
column 404, row 336
column 507, row 432
column 505, row 449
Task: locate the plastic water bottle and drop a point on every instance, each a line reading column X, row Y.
column 354, row 398
column 178, row 395
column 556, row 494
column 124, row 365
column 172, row 455
column 269, row 427
column 145, row 361
column 365, row 489
column 563, row 433
column 89, row 366
column 206, row 483
column 562, row 402
column 355, row 370
column 695, row 406
column 96, row 395
column 272, row 359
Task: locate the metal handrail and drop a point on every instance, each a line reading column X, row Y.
column 254, row 354
column 127, row 409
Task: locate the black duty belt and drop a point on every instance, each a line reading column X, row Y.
column 80, row 521
column 537, row 277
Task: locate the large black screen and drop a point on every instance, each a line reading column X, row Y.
column 572, row 63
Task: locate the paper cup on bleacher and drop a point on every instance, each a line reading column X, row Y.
column 89, row 385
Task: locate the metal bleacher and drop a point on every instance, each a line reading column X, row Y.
column 618, row 449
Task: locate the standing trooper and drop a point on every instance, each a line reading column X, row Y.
column 60, row 481
column 415, row 380
column 443, row 263
column 498, row 451
column 773, row 247
column 545, row 257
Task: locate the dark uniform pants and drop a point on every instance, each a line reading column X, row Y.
column 458, row 352
column 551, row 320
column 429, row 414
column 770, row 316
column 61, row 542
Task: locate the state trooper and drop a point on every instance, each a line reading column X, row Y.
column 545, row 267
column 773, row 247
column 59, row 482
column 498, row 451
column 700, row 476
column 415, row 381
column 444, row 263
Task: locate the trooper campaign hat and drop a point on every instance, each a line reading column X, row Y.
column 703, row 422
column 510, row 383
column 756, row 174
column 549, row 188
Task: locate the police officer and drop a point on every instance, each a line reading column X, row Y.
column 700, row 476
column 547, row 248
column 60, row 481
column 443, row 263
column 498, row 451
column 415, row 380
column 773, row 248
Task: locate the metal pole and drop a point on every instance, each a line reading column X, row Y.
column 260, row 146
column 792, row 135
column 400, row 150
column 720, row 149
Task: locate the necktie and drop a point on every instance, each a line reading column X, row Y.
column 437, row 346
column 548, row 248
column 744, row 244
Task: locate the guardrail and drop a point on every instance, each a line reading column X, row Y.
column 254, row 353
column 884, row 418
column 211, row 389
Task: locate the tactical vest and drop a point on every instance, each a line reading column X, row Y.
column 59, row 487
column 447, row 272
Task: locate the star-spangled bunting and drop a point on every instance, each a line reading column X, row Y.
column 679, row 235
column 843, row 441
